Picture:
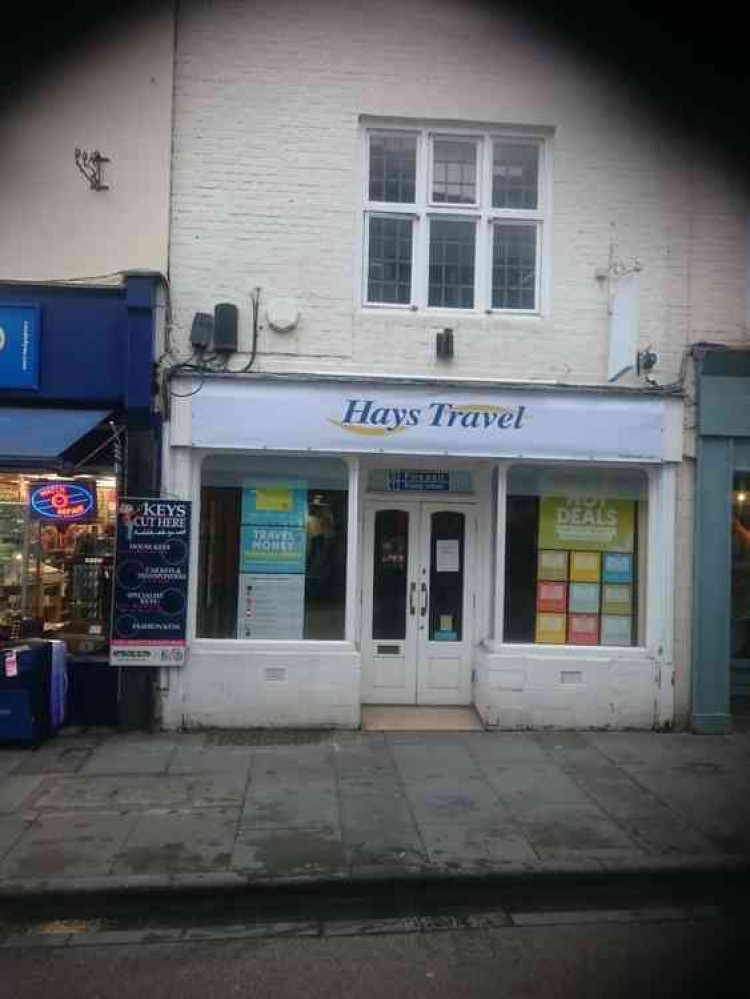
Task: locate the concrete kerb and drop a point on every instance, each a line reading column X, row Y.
column 625, row 877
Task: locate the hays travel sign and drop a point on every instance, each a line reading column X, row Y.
column 427, row 419
column 370, row 419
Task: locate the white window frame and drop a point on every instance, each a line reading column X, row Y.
column 656, row 601
column 191, row 478
column 485, row 216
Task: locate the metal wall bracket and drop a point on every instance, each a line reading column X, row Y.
column 90, row 165
column 615, row 269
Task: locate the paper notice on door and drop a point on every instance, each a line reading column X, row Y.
column 447, row 557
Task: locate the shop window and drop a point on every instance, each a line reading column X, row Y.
column 272, row 551
column 56, row 552
column 740, row 591
column 575, row 556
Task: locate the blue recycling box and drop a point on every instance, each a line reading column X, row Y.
column 32, row 702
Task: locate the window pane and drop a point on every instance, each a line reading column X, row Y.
column 393, row 168
column 740, row 579
column 219, row 562
column 575, row 563
column 452, row 264
column 514, row 267
column 390, row 572
column 389, row 265
column 446, row 587
column 515, row 175
column 272, row 555
column 454, row 172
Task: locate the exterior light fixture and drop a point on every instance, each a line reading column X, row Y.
column 444, row 344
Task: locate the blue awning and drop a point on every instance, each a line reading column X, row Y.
column 29, row 436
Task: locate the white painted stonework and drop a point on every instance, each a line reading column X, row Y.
column 594, row 688
column 244, row 685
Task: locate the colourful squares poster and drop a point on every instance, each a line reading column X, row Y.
column 589, row 523
column 617, row 599
column 585, row 567
column 583, row 629
column 550, row 628
column 551, row 597
column 584, row 598
column 553, row 565
column 617, row 567
column 616, row 630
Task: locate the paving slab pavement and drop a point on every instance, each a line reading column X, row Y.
column 102, row 810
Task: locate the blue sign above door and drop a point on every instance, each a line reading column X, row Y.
column 406, row 480
column 20, row 329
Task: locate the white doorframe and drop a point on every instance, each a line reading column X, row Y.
column 389, row 674
column 407, row 667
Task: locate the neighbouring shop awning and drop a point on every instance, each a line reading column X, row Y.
column 38, row 436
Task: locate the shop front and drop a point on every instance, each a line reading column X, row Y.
column 76, row 431
column 721, row 608
column 417, row 542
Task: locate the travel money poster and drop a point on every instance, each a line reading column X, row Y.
column 594, row 538
column 149, row 601
column 273, row 555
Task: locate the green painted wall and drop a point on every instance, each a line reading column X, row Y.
column 722, row 448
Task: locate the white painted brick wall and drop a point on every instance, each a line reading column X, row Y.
column 268, row 179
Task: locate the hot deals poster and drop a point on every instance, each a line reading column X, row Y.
column 151, row 582
column 591, row 524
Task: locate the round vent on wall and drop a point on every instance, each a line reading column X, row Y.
column 283, row 314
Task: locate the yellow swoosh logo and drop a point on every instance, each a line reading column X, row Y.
column 366, row 431
column 480, row 408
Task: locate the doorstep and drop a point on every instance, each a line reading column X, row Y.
column 419, row 718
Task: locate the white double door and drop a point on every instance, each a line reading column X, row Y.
column 418, row 602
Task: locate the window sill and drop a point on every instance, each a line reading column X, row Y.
column 509, row 649
column 439, row 314
column 230, row 645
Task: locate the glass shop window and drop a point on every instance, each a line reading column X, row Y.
column 740, row 587
column 56, row 553
column 272, row 556
column 575, row 556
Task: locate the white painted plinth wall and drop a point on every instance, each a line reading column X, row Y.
column 228, row 684
column 588, row 689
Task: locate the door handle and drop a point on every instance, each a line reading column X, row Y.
column 423, row 608
column 412, row 606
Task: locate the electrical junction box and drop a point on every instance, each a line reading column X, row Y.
column 201, row 330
